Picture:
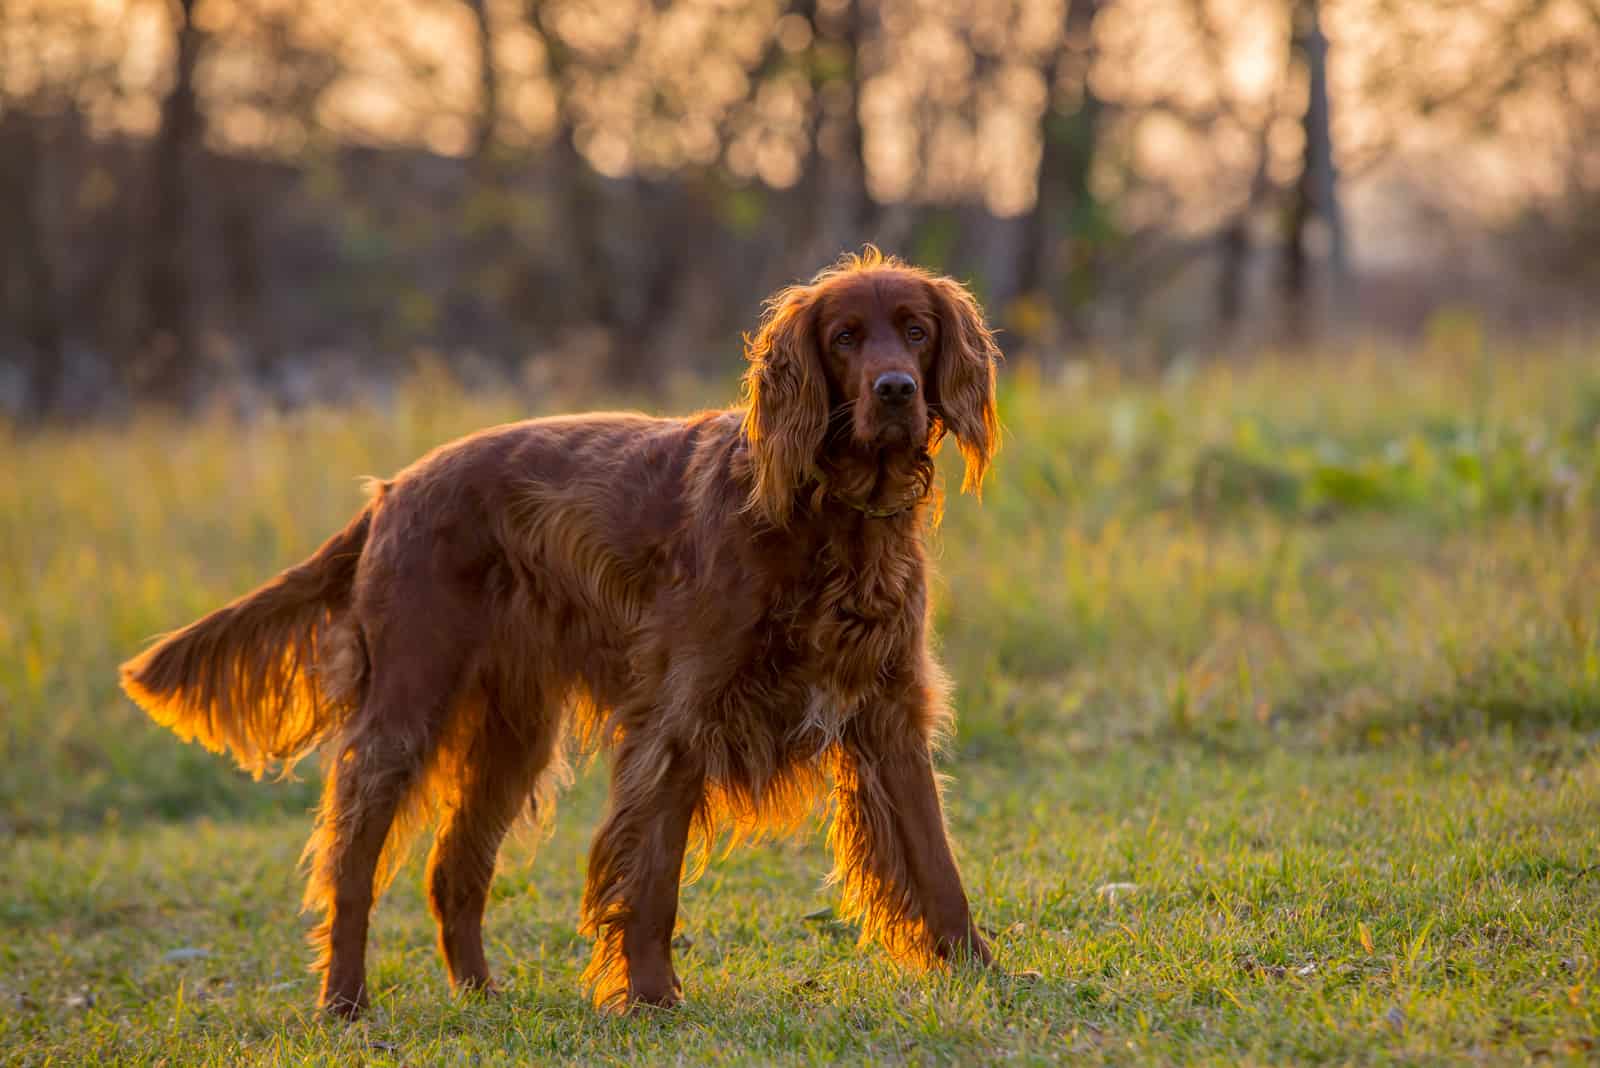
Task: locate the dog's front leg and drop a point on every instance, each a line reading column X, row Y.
column 892, row 854
column 630, row 904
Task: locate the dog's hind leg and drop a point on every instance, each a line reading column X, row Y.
column 494, row 775
column 372, row 794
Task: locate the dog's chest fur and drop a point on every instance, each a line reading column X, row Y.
column 857, row 629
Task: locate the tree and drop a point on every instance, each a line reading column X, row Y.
column 488, row 117
column 1063, row 227
column 832, row 207
column 585, row 286
column 1315, row 193
column 167, row 345
column 27, row 275
column 858, row 212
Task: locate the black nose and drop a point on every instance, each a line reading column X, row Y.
column 895, row 387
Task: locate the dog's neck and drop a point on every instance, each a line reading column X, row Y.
column 876, row 485
column 868, row 523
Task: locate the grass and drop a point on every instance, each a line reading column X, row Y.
column 1279, row 688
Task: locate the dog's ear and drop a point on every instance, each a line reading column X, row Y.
column 786, row 401
column 962, row 397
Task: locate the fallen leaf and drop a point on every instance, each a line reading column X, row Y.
column 1112, row 892
column 186, row 953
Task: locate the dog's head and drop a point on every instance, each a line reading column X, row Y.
column 875, row 360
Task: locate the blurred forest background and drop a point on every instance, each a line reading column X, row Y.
column 294, row 199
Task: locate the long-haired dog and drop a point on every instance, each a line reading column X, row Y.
column 733, row 605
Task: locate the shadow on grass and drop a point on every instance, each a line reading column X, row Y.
column 1522, row 695
column 1529, row 695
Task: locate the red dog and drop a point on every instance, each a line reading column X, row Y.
column 733, row 604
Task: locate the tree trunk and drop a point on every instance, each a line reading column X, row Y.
column 861, row 211
column 803, row 219
column 167, row 343
column 1235, row 245
column 1235, row 248
column 1057, row 254
column 488, row 118
column 795, row 219
column 597, row 289
column 1315, row 194
column 23, row 247
column 585, row 280
column 244, row 188
column 850, row 213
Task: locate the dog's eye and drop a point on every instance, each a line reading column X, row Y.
column 915, row 333
column 844, row 339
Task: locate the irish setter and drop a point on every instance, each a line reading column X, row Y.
column 733, row 604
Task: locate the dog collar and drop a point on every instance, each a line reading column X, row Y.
column 876, row 512
column 879, row 513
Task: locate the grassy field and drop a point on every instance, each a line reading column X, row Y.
column 1279, row 692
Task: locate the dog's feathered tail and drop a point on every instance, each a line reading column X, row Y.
column 268, row 676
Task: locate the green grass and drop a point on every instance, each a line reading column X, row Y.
column 1305, row 652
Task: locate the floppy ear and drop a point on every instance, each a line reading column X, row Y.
column 963, row 379
column 786, row 402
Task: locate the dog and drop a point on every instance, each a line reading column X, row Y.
column 732, row 605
